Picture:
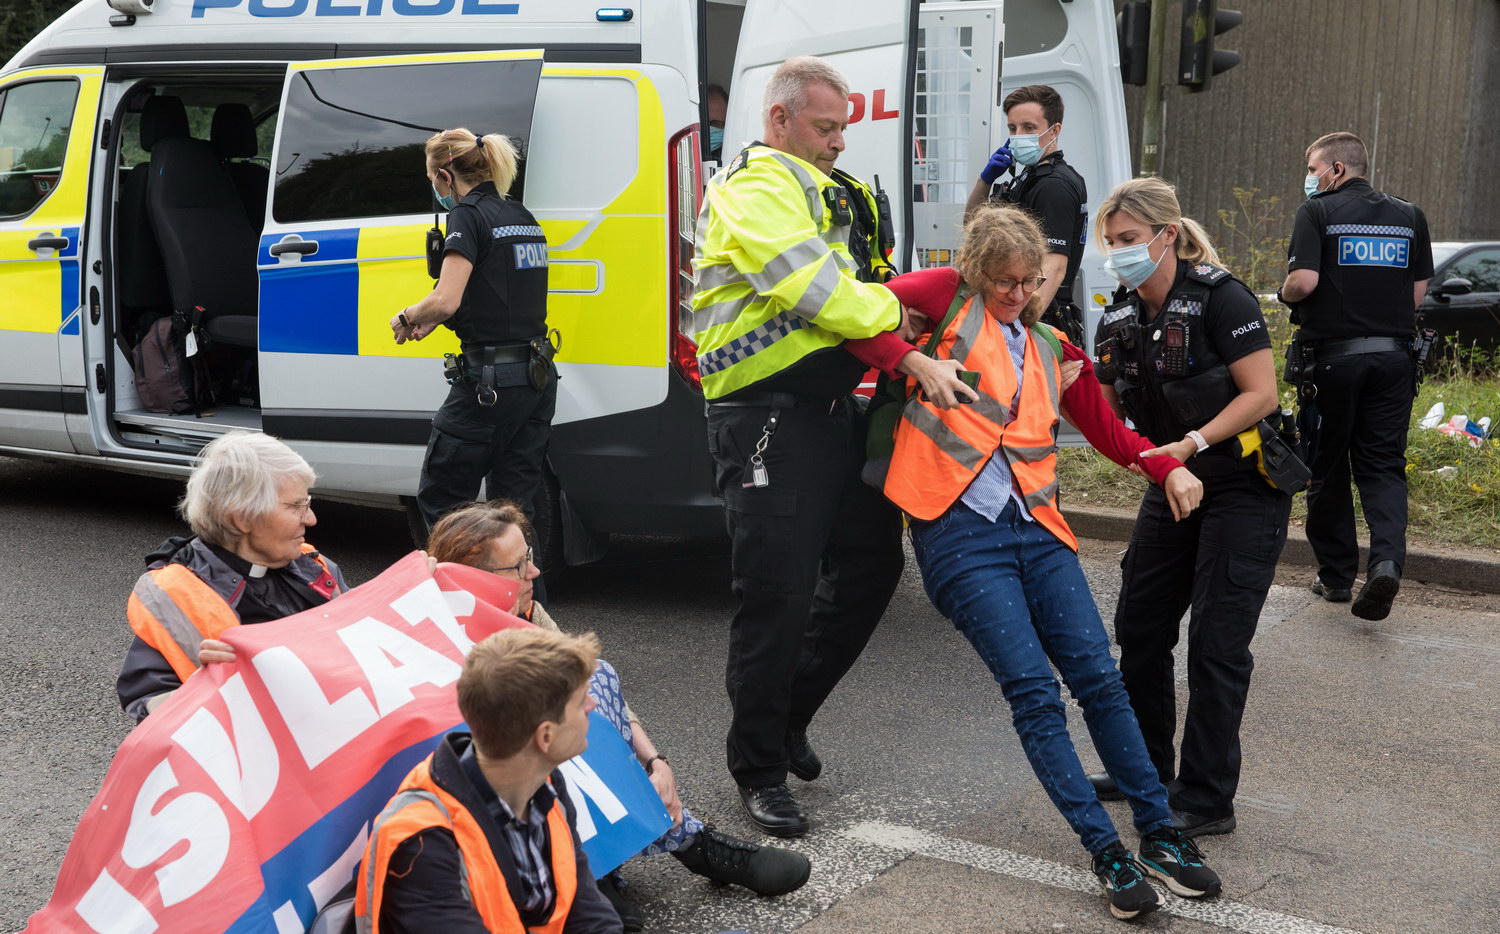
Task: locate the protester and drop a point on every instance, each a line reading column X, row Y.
column 248, row 505
column 493, row 536
column 481, row 835
column 997, row 558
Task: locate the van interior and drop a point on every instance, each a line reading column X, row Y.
column 192, row 175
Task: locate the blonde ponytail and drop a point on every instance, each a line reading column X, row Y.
column 1193, row 244
column 474, row 159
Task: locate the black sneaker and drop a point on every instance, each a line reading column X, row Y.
column 764, row 870
column 1177, row 863
column 1331, row 594
column 1124, row 881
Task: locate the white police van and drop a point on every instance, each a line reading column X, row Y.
column 295, row 213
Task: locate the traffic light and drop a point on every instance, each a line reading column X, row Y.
column 1133, row 25
column 1198, row 60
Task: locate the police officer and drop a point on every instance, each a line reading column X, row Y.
column 1049, row 189
column 492, row 292
column 1187, row 357
column 1358, row 266
column 816, row 552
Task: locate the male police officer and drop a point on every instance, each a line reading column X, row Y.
column 1359, row 262
column 1049, row 189
column 817, row 553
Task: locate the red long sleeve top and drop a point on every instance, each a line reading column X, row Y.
column 931, row 291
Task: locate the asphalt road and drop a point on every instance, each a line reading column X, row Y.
column 1369, row 800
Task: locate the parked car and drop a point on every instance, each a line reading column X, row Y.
column 1463, row 296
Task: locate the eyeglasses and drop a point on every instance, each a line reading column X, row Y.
column 300, row 506
column 1028, row 285
column 519, row 568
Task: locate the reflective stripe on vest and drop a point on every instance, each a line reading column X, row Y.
column 420, row 804
column 939, row 452
column 173, row 610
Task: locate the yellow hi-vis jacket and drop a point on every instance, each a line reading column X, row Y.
column 774, row 281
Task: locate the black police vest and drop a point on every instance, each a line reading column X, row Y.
column 1138, row 357
column 1022, row 191
column 1365, row 270
column 506, row 298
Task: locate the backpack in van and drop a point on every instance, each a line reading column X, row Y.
column 167, row 378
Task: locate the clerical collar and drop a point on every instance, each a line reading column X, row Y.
column 257, row 570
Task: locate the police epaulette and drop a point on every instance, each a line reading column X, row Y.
column 1207, row 273
column 737, row 163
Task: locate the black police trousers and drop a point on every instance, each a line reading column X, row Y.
column 816, row 557
column 1218, row 563
column 504, row 445
column 1358, row 427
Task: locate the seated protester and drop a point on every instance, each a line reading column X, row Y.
column 248, row 506
column 998, row 559
column 480, row 835
column 493, row 536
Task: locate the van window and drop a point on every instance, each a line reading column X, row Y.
column 351, row 143
column 34, row 123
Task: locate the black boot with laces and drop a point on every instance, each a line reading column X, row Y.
column 764, row 870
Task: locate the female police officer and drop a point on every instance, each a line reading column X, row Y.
column 492, row 292
column 1186, row 356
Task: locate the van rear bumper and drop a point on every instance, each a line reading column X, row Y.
column 643, row 472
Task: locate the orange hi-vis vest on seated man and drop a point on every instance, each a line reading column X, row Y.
column 421, row 804
column 939, row 452
column 173, row 610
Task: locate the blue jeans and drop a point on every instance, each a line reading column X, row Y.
column 1019, row 596
column 604, row 688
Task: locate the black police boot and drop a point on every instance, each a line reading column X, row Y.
column 801, row 758
column 1379, row 592
column 774, row 810
column 764, row 870
column 632, row 919
column 1105, row 787
column 1331, row 594
column 1197, row 825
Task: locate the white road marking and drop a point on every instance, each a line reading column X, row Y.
column 1220, row 912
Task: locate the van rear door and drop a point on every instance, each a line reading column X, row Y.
column 342, row 249
column 47, row 120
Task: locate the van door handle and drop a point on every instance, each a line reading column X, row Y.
column 48, row 241
column 305, row 247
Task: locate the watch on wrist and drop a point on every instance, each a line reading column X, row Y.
column 650, row 765
column 1199, row 440
column 401, row 317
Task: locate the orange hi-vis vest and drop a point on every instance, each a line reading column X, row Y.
column 421, row 804
column 939, row 452
column 173, row 610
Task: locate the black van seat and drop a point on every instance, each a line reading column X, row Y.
column 143, row 277
column 233, row 137
column 206, row 240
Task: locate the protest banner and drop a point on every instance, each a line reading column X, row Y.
column 243, row 803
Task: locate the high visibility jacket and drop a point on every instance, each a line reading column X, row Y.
column 172, row 609
column 774, row 281
column 939, row 452
column 419, row 804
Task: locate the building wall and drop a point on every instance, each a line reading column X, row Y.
column 1418, row 80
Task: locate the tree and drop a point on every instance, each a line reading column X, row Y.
column 20, row 21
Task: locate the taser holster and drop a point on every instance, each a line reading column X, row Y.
column 1275, row 460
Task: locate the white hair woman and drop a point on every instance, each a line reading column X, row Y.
column 248, row 505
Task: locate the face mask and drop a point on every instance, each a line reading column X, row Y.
column 1028, row 148
column 447, row 201
column 1133, row 265
column 715, row 137
column 1310, row 183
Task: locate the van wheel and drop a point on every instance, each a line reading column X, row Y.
column 548, row 524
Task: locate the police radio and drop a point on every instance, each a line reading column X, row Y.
column 435, row 240
column 1175, row 347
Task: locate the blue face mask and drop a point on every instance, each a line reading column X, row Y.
column 447, row 201
column 1310, row 183
column 1133, row 265
column 715, row 137
column 1027, row 149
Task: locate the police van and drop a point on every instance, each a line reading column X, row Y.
column 258, row 164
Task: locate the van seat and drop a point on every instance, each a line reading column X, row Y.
column 233, row 137
column 144, row 295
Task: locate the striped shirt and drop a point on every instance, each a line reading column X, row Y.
column 526, row 839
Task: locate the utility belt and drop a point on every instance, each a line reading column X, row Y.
column 1303, row 356
column 491, row 367
column 781, row 400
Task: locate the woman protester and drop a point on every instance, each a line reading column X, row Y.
column 492, row 292
column 494, row 536
column 1186, row 356
column 978, row 481
column 248, row 505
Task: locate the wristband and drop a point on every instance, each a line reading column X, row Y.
column 1199, row 440
column 650, row 765
column 401, row 317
